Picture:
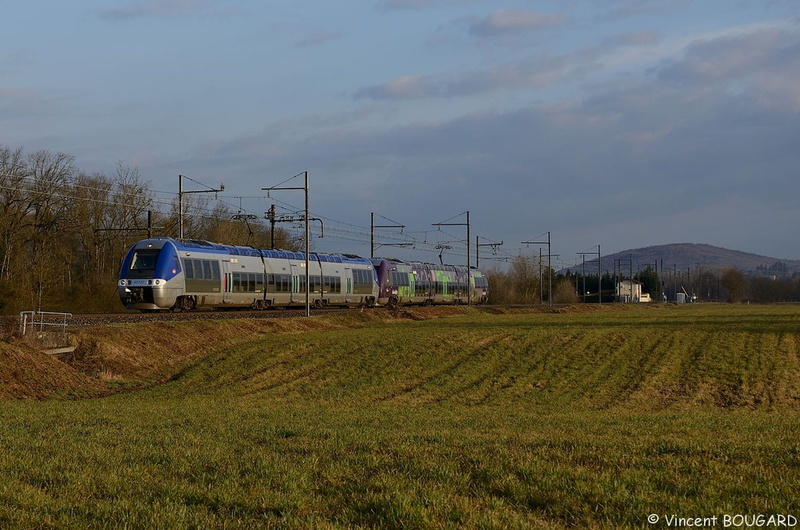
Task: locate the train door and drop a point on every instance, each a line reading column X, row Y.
column 227, row 282
column 348, row 284
column 296, row 295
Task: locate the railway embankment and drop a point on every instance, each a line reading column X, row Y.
column 110, row 357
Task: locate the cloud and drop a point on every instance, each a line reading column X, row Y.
column 623, row 9
column 507, row 21
column 632, row 155
column 22, row 103
column 628, row 157
column 638, row 38
column 535, row 71
column 404, row 4
column 743, row 55
column 318, row 39
column 135, row 9
column 390, row 5
column 404, row 87
column 756, row 54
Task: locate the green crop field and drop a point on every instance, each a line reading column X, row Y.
column 624, row 417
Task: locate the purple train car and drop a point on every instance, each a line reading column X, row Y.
column 417, row 283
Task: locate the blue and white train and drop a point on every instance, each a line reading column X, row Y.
column 165, row 273
column 169, row 274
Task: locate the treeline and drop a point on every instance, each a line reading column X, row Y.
column 63, row 232
column 527, row 282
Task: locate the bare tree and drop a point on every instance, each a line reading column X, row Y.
column 13, row 207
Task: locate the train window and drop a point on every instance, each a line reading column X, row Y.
column 207, row 270
column 237, row 282
column 251, row 282
column 215, row 270
column 188, row 270
column 144, row 260
column 259, row 282
column 399, row 278
column 198, row 270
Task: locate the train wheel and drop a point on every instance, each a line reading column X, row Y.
column 184, row 303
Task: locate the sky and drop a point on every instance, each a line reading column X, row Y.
column 618, row 123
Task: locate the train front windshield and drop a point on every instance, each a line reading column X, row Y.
column 144, row 261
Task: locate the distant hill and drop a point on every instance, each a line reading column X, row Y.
column 683, row 256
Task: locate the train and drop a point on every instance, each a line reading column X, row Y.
column 417, row 283
column 166, row 274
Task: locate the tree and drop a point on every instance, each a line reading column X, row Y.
column 525, row 276
column 650, row 284
column 63, row 232
column 45, row 245
column 499, row 287
column 564, row 291
column 734, row 283
column 13, row 208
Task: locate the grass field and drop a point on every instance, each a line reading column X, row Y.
column 539, row 420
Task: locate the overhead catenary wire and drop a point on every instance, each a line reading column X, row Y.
column 161, row 202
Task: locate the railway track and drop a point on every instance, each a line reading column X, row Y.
column 98, row 319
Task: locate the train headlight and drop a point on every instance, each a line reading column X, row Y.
column 149, row 282
column 158, row 282
column 122, row 283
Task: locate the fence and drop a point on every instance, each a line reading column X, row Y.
column 42, row 321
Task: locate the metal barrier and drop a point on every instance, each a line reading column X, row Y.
column 47, row 320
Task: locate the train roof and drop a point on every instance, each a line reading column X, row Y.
column 234, row 250
column 422, row 264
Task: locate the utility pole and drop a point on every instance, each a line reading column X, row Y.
column 469, row 290
column 630, row 266
column 181, row 193
column 549, row 268
column 583, row 275
column 271, row 216
column 308, row 231
column 599, row 273
column 373, row 226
